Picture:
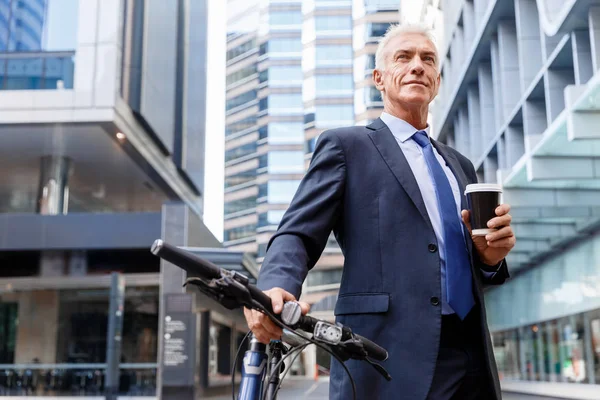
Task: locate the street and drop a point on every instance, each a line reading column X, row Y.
column 310, row 390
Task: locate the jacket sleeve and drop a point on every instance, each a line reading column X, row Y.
column 306, row 225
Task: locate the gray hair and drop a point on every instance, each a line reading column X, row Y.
column 397, row 30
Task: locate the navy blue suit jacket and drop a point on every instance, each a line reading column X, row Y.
column 360, row 185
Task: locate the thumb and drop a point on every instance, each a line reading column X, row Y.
column 276, row 301
column 465, row 217
column 305, row 307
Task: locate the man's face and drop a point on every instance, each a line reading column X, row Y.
column 410, row 76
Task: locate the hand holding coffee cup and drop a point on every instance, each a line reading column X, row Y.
column 482, row 200
column 488, row 222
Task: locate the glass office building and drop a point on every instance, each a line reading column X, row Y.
column 101, row 152
column 294, row 69
column 519, row 97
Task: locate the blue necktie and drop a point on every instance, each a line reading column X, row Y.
column 458, row 266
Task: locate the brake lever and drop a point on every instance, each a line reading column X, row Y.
column 379, row 368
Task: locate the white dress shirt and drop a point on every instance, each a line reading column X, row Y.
column 403, row 132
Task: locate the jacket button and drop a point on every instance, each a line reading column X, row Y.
column 432, row 247
column 434, row 301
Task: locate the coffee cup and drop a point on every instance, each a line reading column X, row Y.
column 482, row 201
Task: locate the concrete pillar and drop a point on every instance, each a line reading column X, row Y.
column 37, row 331
column 53, row 189
column 173, row 378
column 53, row 199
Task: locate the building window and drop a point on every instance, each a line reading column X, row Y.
column 330, row 55
column 327, row 116
column 333, row 23
column 241, row 125
column 262, row 250
column 285, row 45
column 240, row 178
column 270, row 218
column 284, row 103
column 334, row 85
column 285, row 74
column 240, row 74
column 241, row 151
column 279, row 192
column 42, row 38
column 324, row 277
column 283, row 162
column 381, row 5
column 278, row 18
column 240, row 205
column 241, row 99
column 283, row 132
column 311, row 144
column 241, row 49
column 375, row 30
column 241, row 232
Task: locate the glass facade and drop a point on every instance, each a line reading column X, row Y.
column 66, row 335
column 282, row 162
column 283, row 132
column 278, row 192
column 556, row 336
column 38, row 39
column 241, row 232
column 561, row 350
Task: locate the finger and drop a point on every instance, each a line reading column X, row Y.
column 305, row 307
column 503, row 220
column 465, row 217
column 269, row 327
column 499, row 234
column 276, row 300
column 261, row 337
column 278, row 297
column 502, row 209
column 506, row 243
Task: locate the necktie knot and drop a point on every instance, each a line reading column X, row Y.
column 421, row 138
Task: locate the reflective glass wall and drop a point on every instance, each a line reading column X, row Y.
column 38, row 39
column 546, row 322
column 53, row 342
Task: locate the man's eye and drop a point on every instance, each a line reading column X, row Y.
column 428, row 58
column 401, row 57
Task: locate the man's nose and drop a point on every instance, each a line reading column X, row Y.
column 416, row 66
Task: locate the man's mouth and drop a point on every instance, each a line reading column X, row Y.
column 415, row 83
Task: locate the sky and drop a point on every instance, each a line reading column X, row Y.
column 215, row 119
column 215, row 112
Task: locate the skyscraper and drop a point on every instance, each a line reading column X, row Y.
column 22, row 24
column 294, row 69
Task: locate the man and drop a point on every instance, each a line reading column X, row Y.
column 413, row 274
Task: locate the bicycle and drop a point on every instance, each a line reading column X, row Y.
column 262, row 364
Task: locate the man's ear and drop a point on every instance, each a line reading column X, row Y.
column 378, row 79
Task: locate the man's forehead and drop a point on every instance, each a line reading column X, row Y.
column 410, row 42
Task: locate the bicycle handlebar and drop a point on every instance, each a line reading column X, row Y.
column 196, row 266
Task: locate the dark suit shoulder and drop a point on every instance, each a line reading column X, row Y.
column 348, row 137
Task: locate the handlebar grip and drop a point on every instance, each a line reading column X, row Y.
column 186, row 260
column 374, row 350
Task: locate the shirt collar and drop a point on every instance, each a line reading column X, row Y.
column 401, row 129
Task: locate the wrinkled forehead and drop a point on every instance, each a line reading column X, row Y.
column 411, row 42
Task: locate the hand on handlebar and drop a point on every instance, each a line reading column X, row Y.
column 263, row 328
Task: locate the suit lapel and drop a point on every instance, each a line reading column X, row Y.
column 393, row 156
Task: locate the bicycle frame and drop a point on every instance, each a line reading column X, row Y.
column 254, row 371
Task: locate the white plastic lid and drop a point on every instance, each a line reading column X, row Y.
column 483, row 187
